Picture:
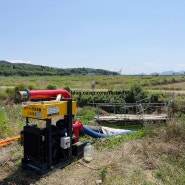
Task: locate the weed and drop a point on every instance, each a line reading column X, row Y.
column 170, row 174
column 150, row 129
column 85, row 115
column 136, row 177
column 11, row 120
column 3, row 122
column 173, row 130
column 103, row 173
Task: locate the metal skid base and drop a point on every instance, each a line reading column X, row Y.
column 43, row 169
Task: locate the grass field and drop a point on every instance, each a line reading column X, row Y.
column 153, row 156
column 101, row 82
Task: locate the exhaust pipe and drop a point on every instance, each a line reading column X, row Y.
column 41, row 94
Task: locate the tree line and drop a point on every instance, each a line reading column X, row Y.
column 23, row 69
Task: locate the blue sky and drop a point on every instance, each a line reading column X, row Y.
column 133, row 35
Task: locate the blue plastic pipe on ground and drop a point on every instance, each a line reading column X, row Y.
column 95, row 134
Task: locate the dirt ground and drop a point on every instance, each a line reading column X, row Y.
column 123, row 163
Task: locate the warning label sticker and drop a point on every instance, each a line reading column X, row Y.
column 53, row 111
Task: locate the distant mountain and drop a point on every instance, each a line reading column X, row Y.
column 4, row 62
column 169, row 73
column 180, row 73
column 25, row 69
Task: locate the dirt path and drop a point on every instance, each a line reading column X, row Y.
column 179, row 92
column 4, row 87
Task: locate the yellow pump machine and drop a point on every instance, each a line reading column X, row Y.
column 55, row 144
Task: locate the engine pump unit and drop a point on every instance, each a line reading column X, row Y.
column 55, row 144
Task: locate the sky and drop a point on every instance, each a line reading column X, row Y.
column 134, row 36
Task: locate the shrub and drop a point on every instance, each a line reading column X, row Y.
column 155, row 97
column 67, row 88
column 3, row 95
column 31, row 86
column 51, row 87
column 10, row 92
column 20, row 87
column 135, row 94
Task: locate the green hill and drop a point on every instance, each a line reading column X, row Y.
column 23, row 69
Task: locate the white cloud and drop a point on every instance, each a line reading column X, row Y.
column 19, row 61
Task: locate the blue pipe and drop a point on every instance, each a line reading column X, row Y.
column 94, row 134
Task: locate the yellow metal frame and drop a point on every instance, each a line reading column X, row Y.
column 46, row 109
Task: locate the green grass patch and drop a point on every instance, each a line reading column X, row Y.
column 171, row 173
